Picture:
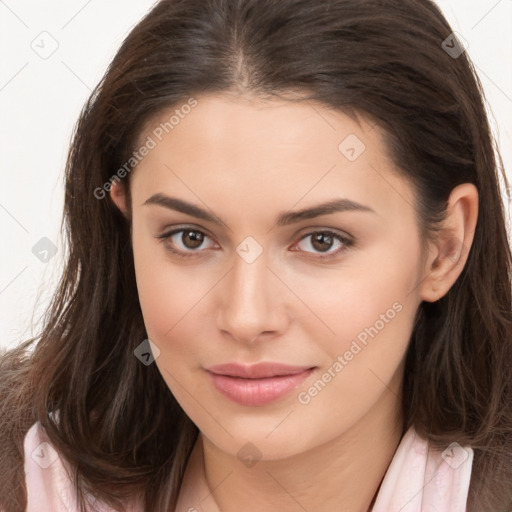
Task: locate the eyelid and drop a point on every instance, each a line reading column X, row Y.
column 346, row 239
column 167, row 234
column 322, row 229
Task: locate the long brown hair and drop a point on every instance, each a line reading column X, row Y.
column 382, row 58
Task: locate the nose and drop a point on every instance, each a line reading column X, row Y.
column 252, row 302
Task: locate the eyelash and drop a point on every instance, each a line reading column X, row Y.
column 346, row 241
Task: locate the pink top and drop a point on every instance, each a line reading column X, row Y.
column 417, row 480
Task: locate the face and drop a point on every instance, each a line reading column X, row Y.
column 237, row 262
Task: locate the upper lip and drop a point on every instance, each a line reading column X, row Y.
column 257, row 371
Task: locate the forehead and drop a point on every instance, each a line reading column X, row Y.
column 232, row 126
column 248, row 149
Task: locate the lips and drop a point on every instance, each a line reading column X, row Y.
column 258, row 384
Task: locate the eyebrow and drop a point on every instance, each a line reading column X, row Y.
column 284, row 219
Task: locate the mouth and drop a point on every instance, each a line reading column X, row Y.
column 259, row 384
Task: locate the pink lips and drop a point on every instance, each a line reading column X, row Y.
column 258, row 384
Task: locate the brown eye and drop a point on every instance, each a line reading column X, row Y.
column 321, row 241
column 186, row 242
column 192, row 239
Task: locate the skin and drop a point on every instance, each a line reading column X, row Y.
column 247, row 161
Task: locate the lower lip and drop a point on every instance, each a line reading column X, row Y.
column 254, row 392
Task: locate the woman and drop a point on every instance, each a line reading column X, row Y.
column 288, row 277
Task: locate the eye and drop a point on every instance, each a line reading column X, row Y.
column 326, row 244
column 186, row 241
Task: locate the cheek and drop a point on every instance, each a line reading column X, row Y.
column 362, row 361
column 174, row 300
column 375, row 305
column 165, row 292
column 363, row 369
column 373, row 294
column 367, row 308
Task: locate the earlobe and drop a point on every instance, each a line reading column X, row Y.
column 450, row 250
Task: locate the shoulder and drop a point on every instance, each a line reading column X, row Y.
column 47, row 478
column 421, row 477
column 16, row 417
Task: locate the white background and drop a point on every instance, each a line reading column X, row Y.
column 40, row 100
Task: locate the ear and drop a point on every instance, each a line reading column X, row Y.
column 449, row 252
column 118, row 196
